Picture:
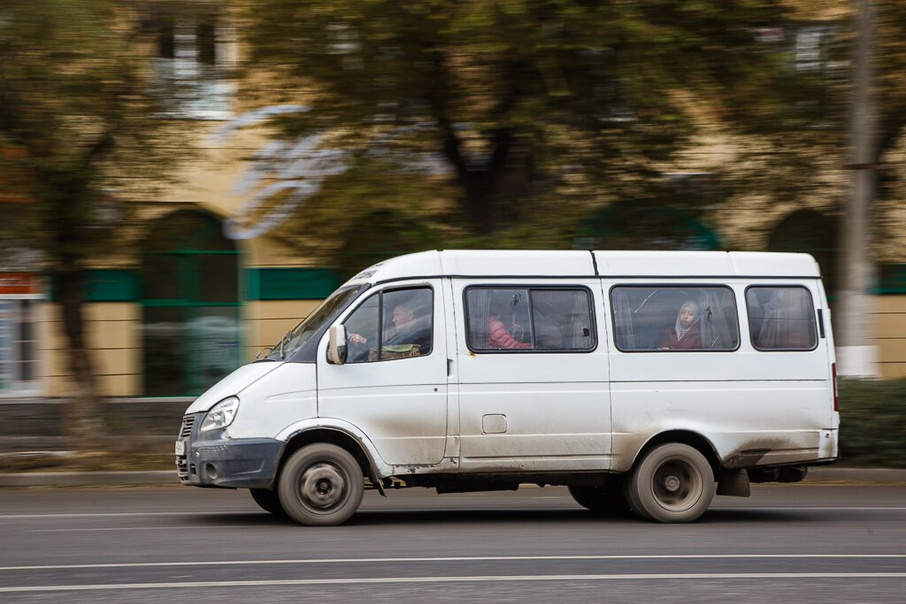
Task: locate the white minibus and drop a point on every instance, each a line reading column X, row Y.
column 642, row 381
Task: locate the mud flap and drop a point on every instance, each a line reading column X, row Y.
column 734, row 483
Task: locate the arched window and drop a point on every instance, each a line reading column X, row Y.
column 190, row 299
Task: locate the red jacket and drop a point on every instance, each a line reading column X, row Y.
column 691, row 341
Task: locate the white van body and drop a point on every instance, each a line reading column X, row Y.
column 614, row 407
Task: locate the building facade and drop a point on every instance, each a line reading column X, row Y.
column 187, row 302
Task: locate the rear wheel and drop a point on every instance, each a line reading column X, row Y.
column 268, row 501
column 673, row 483
column 321, row 485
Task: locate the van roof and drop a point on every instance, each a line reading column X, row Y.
column 559, row 263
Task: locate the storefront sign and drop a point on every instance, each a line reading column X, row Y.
column 18, row 284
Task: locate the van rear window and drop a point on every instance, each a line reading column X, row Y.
column 781, row 318
column 674, row 318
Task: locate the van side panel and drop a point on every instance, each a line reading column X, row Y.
column 755, row 407
column 533, row 410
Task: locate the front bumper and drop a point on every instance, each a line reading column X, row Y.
column 209, row 460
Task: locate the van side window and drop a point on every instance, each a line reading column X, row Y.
column 781, row 318
column 674, row 318
column 362, row 328
column 527, row 318
column 393, row 324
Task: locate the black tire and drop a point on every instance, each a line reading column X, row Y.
column 268, row 501
column 673, row 483
column 606, row 500
column 321, row 485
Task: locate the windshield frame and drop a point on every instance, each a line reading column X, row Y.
column 300, row 344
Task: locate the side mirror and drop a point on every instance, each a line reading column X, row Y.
column 336, row 347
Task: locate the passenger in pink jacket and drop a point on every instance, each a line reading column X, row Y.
column 499, row 336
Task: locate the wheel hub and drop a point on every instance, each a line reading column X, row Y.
column 322, row 486
column 672, row 483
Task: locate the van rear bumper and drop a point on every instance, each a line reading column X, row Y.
column 246, row 463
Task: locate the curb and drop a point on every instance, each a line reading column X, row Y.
column 863, row 475
column 168, row 477
column 88, row 479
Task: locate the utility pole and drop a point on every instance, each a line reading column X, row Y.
column 856, row 351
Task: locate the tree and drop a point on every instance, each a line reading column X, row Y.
column 76, row 122
column 534, row 107
column 878, row 123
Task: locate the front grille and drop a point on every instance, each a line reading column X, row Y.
column 187, row 422
column 185, row 431
column 182, row 468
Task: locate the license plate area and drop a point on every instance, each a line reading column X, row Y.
column 180, row 448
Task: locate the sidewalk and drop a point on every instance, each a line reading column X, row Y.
column 157, row 478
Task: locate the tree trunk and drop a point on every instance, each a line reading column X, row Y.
column 83, row 419
column 856, row 353
column 483, row 187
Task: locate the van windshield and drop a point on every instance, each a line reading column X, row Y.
column 299, row 342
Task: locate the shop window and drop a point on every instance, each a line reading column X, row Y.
column 18, row 347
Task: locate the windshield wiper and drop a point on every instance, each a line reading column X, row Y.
column 283, row 342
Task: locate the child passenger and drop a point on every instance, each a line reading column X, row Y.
column 686, row 334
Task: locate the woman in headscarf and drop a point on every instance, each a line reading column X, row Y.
column 686, row 334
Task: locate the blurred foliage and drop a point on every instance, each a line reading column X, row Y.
column 890, row 88
column 78, row 121
column 890, row 44
column 804, row 155
column 873, row 423
column 378, row 211
column 538, row 111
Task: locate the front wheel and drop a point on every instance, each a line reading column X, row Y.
column 321, row 485
column 673, row 483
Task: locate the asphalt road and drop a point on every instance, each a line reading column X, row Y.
column 792, row 543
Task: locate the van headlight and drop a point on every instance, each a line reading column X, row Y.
column 221, row 415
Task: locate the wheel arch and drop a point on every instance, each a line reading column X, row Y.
column 333, row 436
column 686, row 437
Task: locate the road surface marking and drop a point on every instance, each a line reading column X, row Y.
column 459, row 559
column 383, row 509
column 471, row 579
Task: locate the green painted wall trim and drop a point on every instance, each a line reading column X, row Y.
column 124, row 285
column 107, row 285
column 113, row 285
column 891, row 279
column 290, row 283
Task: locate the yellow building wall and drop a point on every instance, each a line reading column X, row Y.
column 267, row 322
column 890, row 334
column 113, row 338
